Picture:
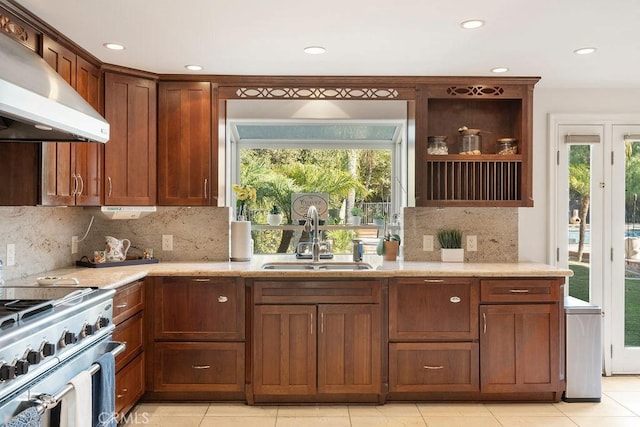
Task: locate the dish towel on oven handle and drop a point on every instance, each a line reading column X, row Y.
column 74, row 410
column 104, row 405
column 30, row 417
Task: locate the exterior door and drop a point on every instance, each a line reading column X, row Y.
column 625, row 232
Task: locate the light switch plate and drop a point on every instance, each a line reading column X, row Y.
column 427, row 243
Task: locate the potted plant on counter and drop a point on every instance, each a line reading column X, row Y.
column 389, row 246
column 450, row 241
column 274, row 217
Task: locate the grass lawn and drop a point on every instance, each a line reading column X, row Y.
column 579, row 288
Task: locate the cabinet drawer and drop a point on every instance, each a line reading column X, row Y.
column 520, row 290
column 128, row 300
column 129, row 332
column 433, row 309
column 316, row 291
column 129, row 385
column 420, row 367
column 191, row 366
column 198, row 308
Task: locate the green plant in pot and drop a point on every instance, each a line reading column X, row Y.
column 388, row 246
column 356, row 215
column 450, row 241
column 378, row 219
column 274, row 217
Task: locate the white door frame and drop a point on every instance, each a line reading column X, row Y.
column 557, row 248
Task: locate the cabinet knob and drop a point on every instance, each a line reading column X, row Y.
column 455, row 300
column 222, row 298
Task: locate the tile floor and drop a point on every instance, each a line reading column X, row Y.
column 620, row 407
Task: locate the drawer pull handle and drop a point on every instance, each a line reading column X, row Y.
column 434, row 280
column 484, row 323
column 222, row 298
column 202, row 280
column 124, row 305
column 200, row 366
column 433, row 367
column 124, row 392
column 455, row 300
column 519, row 291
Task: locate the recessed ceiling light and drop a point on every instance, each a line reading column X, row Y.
column 43, row 127
column 193, row 67
column 499, row 70
column 114, row 46
column 584, row 50
column 314, row 50
column 472, row 23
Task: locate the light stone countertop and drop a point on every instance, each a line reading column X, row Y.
column 113, row 277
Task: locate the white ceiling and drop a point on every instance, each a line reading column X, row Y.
column 362, row 37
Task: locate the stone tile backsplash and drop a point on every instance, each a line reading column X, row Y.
column 42, row 235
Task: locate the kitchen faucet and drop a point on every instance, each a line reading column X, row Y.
column 312, row 213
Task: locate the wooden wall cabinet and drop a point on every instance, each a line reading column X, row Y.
column 187, row 157
column 317, row 340
column 498, row 108
column 433, row 335
column 521, row 336
column 72, row 172
column 128, row 316
column 130, row 154
column 196, row 338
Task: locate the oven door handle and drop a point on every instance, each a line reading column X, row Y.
column 119, row 348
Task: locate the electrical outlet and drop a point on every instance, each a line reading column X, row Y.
column 11, row 254
column 167, row 242
column 74, row 245
column 472, row 243
column 427, row 243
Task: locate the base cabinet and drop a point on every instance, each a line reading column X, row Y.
column 322, row 350
column 196, row 338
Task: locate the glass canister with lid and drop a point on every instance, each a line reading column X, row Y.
column 470, row 141
column 505, row 146
column 437, row 145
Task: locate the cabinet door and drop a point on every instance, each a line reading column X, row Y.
column 198, row 308
column 424, row 367
column 59, row 183
column 184, row 144
column 129, row 386
column 89, row 155
column 130, row 154
column 519, row 348
column 198, row 366
column 19, row 173
column 284, row 350
column 349, row 348
column 433, row 309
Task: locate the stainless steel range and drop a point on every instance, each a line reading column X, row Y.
column 48, row 335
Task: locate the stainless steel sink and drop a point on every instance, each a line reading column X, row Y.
column 317, row 266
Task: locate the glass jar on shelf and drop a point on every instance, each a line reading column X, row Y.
column 505, row 146
column 470, row 141
column 437, row 145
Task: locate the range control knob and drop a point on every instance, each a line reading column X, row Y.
column 48, row 349
column 87, row 330
column 7, row 372
column 34, row 357
column 102, row 322
column 68, row 338
column 22, row 367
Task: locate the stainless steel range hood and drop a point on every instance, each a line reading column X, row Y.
column 36, row 104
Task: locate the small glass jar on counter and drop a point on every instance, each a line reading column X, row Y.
column 437, row 145
column 505, row 146
column 470, row 141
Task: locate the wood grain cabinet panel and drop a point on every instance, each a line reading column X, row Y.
column 198, row 366
column 198, row 308
column 130, row 154
column 129, row 386
column 131, row 333
column 186, row 171
column 429, row 367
